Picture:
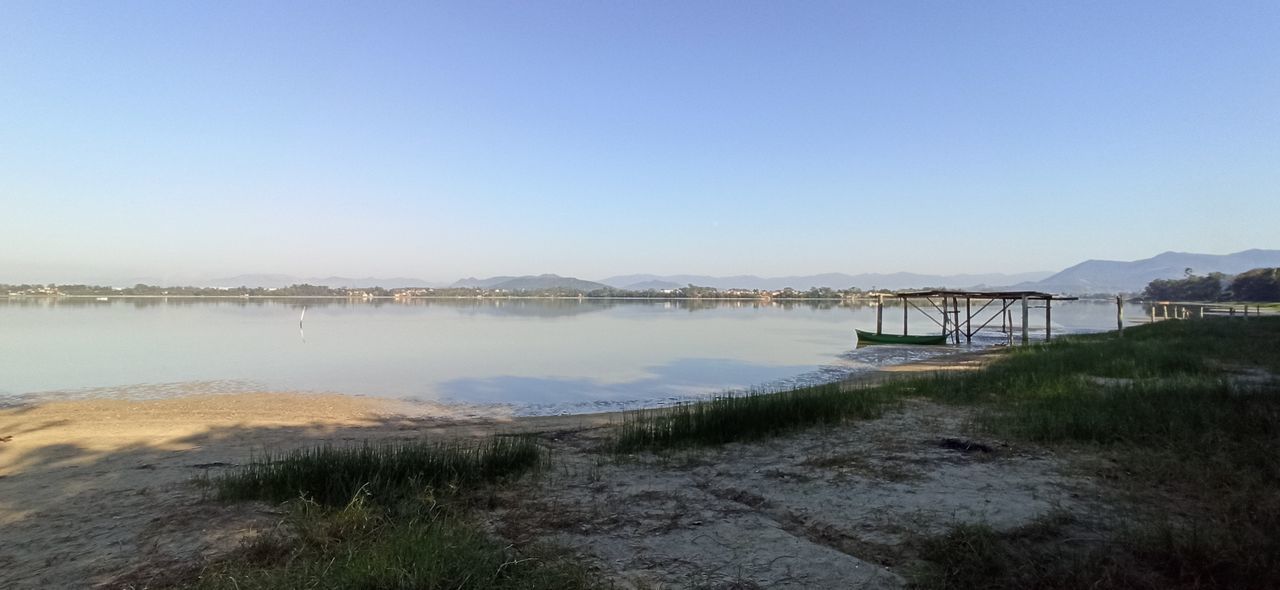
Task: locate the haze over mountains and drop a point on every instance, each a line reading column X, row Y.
column 1091, row 276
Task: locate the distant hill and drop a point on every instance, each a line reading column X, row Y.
column 901, row 280
column 531, row 283
column 474, row 283
column 654, row 285
column 1110, row 276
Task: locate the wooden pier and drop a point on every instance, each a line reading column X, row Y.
column 943, row 307
column 1182, row 310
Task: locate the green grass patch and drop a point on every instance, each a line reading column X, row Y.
column 1189, row 423
column 1046, row 555
column 365, row 546
column 384, row 473
column 1150, row 385
column 391, row 515
column 730, row 418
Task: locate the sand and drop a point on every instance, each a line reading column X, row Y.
column 95, row 489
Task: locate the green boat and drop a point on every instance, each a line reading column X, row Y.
column 873, row 338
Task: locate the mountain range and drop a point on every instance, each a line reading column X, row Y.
column 1111, row 276
column 530, row 283
column 1091, row 276
column 898, row 280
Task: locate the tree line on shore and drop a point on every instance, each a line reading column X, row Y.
column 307, row 290
column 1259, row 284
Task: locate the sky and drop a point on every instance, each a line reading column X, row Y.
column 436, row 140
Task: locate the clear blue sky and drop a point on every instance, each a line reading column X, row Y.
column 437, row 140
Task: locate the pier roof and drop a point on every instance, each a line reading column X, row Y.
column 984, row 294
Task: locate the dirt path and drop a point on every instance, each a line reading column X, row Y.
column 89, row 489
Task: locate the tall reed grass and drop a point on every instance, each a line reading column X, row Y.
column 1157, row 384
column 729, row 418
column 333, row 475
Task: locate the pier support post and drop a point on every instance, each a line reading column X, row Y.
column 955, row 309
column 1120, row 315
column 1048, row 319
column 945, row 313
column 1025, row 317
column 968, row 321
column 904, row 316
column 879, row 314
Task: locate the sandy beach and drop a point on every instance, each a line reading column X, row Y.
column 93, row 490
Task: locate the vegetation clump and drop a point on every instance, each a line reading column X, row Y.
column 384, row 473
column 384, row 516
column 417, row 545
column 730, row 418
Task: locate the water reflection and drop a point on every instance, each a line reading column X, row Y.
column 539, row 307
column 544, row 355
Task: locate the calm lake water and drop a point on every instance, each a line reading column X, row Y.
column 534, row 356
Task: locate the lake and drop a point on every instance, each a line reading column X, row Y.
column 534, row 356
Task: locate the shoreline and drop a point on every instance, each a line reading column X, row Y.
column 91, row 488
column 295, row 406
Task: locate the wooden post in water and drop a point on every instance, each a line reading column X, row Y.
column 968, row 321
column 955, row 309
column 1025, row 317
column 945, row 333
column 1008, row 314
column 1246, row 311
column 1048, row 319
column 1120, row 315
column 904, row 316
column 880, row 314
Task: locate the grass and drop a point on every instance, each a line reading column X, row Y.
column 1196, row 439
column 1161, row 383
column 730, row 418
column 1044, row 555
column 384, row 473
column 384, row 516
column 360, row 545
